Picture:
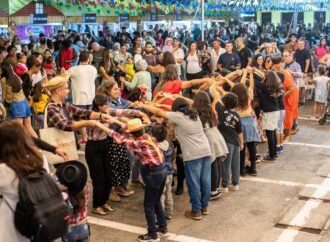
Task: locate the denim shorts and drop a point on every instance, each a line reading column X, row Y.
column 280, row 127
column 20, row 109
column 79, row 232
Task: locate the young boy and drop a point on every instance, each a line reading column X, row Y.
column 153, row 172
column 160, row 133
column 229, row 125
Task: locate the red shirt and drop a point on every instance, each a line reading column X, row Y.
column 172, row 87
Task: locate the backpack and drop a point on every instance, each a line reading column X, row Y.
column 41, row 213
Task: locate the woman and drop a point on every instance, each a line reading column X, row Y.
column 194, row 65
column 67, row 55
column 167, row 58
column 322, row 49
column 204, row 57
column 195, row 151
column 118, row 157
column 258, row 62
column 33, row 68
column 41, row 76
column 107, row 66
column 18, row 154
column 142, row 77
column 20, row 110
column 267, row 91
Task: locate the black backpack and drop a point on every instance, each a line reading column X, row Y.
column 41, row 213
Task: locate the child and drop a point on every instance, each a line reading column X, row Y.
column 160, row 134
column 229, row 125
column 168, row 45
column 321, row 91
column 153, row 172
column 129, row 67
column 73, row 176
column 50, row 68
column 38, row 103
column 21, row 67
column 138, row 54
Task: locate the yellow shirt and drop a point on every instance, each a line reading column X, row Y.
column 39, row 107
column 130, row 68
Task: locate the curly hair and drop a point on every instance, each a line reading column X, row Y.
column 241, row 91
column 202, row 105
column 181, row 105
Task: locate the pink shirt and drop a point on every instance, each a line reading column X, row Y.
column 320, row 52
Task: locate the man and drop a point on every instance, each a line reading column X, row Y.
column 151, row 59
column 65, row 116
column 303, row 58
column 41, row 47
column 294, row 68
column 229, row 60
column 97, row 54
column 179, row 57
column 244, row 53
column 216, row 52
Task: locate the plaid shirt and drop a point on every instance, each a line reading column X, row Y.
column 294, row 67
column 81, row 216
column 98, row 134
column 145, row 150
column 62, row 116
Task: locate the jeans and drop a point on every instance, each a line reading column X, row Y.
column 135, row 166
column 272, row 142
column 215, row 174
column 252, row 152
column 198, row 178
column 78, row 233
column 100, row 172
column 154, row 178
column 232, row 162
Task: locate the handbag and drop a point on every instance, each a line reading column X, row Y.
column 61, row 139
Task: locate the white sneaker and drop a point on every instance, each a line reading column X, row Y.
column 234, row 188
column 224, row 189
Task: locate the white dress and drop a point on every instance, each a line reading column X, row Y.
column 9, row 190
column 321, row 89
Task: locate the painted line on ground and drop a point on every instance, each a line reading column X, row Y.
column 308, row 145
column 308, row 118
column 279, row 182
column 288, row 235
column 139, row 230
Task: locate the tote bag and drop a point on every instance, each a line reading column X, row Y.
column 61, row 139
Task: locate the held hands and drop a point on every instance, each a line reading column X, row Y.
column 62, row 153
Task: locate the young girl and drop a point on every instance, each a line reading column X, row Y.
column 73, row 176
column 21, row 67
column 50, row 67
column 38, row 103
column 130, row 68
column 138, row 55
column 249, row 124
column 321, row 91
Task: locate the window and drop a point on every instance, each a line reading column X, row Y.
column 39, row 8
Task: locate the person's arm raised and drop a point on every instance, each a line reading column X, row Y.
column 195, row 82
column 151, row 109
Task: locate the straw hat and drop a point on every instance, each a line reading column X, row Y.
column 56, row 82
column 134, row 125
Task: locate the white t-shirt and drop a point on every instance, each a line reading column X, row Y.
column 83, row 84
column 215, row 58
column 178, row 54
column 193, row 66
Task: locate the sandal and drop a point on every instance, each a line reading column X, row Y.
column 99, row 211
column 107, row 208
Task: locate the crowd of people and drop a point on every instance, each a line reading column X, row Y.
column 148, row 110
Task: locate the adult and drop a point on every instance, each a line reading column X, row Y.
column 67, row 55
column 321, row 49
column 107, row 66
column 303, row 58
column 33, row 68
column 141, row 78
column 137, row 44
column 195, row 151
column 41, row 76
column 244, row 53
column 121, row 58
column 216, row 52
column 18, row 155
column 97, row 53
column 229, row 60
column 179, row 55
column 11, row 57
column 293, row 44
column 258, row 62
column 194, row 64
column 42, row 46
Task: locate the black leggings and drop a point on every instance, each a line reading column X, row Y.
column 179, row 164
column 215, row 174
column 272, row 142
column 252, row 152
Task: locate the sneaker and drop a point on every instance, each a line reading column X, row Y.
column 279, row 149
column 295, row 130
column 268, row 158
column 234, row 187
column 287, row 139
column 114, row 196
column 224, row 189
column 108, row 208
column 100, row 211
column 148, row 238
column 215, row 195
column 83, row 142
column 193, row 215
column 205, row 211
column 121, row 191
column 258, row 158
column 169, row 218
column 163, row 233
column 253, row 173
